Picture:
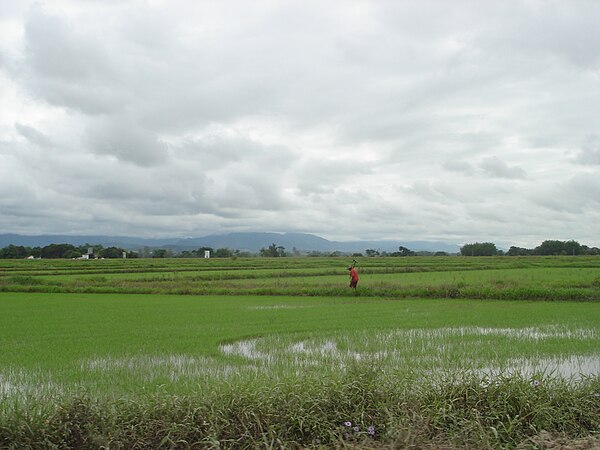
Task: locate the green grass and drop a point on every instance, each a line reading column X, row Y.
column 34, row 325
column 533, row 278
column 455, row 352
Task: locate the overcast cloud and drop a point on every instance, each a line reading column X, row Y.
column 459, row 121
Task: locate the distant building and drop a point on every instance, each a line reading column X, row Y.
column 89, row 254
column 207, row 254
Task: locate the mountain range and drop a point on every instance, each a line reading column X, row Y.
column 251, row 241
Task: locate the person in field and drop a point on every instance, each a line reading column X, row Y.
column 353, row 277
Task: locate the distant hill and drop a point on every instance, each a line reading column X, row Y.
column 106, row 241
column 251, row 242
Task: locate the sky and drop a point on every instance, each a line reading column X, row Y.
column 457, row 121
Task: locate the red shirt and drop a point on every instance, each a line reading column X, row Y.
column 353, row 274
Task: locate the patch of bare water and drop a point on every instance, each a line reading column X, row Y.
column 6, row 386
column 246, row 349
column 571, row 367
column 528, row 333
column 18, row 383
column 461, row 349
column 149, row 367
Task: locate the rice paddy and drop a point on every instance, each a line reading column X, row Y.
column 285, row 350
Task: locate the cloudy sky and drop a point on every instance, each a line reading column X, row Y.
column 459, row 121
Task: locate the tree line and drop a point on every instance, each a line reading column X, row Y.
column 546, row 248
column 68, row 251
column 64, row 251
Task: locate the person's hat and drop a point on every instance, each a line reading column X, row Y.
column 349, row 267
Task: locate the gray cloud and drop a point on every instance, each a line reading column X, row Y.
column 458, row 166
column 577, row 195
column 498, row 168
column 33, row 135
column 68, row 67
column 126, row 141
column 590, row 152
column 322, row 176
column 384, row 119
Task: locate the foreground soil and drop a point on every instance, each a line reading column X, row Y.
column 546, row 440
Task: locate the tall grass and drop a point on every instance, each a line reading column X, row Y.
column 358, row 409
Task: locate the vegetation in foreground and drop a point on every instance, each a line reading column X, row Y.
column 354, row 410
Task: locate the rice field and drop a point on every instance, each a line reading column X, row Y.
column 510, row 278
column 246, row 353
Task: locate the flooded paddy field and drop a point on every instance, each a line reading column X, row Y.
column 288, row 333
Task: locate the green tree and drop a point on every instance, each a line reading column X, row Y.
column 14, row 252
column 55, row 251
column 519, row 251
column 371, row 252
column 479, row 249
column 549, row 247
column 403, row 251
column 159, row 253
column 554, row 247
column 222, row 253
column 572, row 248
column 273, row 251
column 111, row 252
column 96, row 249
